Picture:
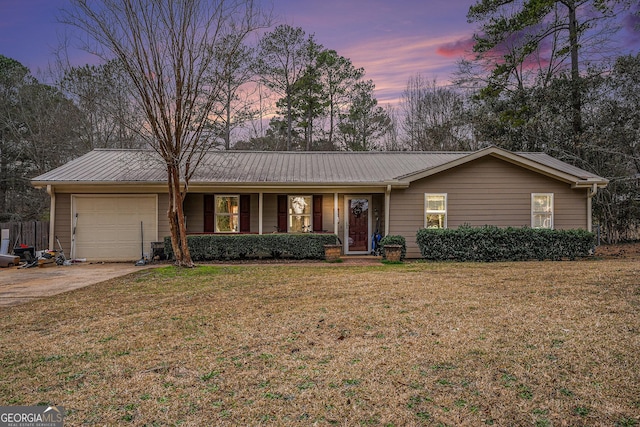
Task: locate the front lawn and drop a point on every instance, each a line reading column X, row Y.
column 532, row 343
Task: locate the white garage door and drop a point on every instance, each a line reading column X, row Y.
column 108, row 227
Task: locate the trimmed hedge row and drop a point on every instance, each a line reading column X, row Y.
column 491, row 243
column 210, row 247
column 394, row 240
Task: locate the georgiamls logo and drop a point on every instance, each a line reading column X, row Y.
column 31, row 416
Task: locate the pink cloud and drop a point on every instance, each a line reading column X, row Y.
column 463, row 48
column 391, row 61
column 457, row 49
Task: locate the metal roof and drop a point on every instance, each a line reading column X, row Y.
column 104, row 166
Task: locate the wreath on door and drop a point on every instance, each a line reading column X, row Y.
column 357, row 209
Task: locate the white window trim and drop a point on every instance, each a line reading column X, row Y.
column 216, row 214
column 552, row 212
column 427, row 211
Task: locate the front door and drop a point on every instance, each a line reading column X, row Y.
column 358, row 227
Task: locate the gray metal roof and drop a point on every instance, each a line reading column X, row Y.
column 105, row 166
column 561, row 166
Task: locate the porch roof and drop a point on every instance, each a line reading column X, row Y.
column 109, row 166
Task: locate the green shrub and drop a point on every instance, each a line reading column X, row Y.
column 491, row 243
column 209, row 247
column 394, row 240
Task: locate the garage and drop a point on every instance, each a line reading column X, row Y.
column 112, row 227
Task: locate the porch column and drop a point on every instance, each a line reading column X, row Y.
column 260, row 213
column 589, row 215
column 387, row 203
column 52, row 218
column 336, row 214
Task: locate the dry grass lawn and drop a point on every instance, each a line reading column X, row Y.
column 504, row 344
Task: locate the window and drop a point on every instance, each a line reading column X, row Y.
column 435, row 211
column 542, row 210
column 227, row 214
column 300, row 214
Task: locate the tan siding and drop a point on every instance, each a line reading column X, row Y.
column 571, row 209
column 377, row 204
column 63, row 225
column 255, row 213
column 270, row 213
column 163, row 221
column 327, row 212
column 486, row 191
column 194, row 211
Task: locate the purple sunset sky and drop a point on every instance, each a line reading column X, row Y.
column 391, row 40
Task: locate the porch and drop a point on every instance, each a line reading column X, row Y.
column 353, row 217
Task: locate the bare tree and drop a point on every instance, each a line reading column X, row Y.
column 237, row 97
column 165, row 48
column 101, row 92
column 339, row 76
column 433, row 116
column 391, row 139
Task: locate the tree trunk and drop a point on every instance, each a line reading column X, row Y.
column 576, row 98
column 289, row 120
column 309, row 128
column 227, row 127
column 331, row 114
column 4, row 176
column 175, row 213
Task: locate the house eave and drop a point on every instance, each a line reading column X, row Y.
column 588, row 183
column 195, row 187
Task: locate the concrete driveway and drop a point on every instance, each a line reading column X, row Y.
column 19, row 285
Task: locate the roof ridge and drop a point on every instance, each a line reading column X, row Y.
column 121, row 149
column 339, row 152
column 382, row 152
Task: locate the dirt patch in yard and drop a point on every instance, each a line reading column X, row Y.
column 621, row 250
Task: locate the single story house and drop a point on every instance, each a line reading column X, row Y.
column 105, row 204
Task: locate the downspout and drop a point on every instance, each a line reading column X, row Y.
column 590, row 195
column 52, row 217
column 387, row 202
